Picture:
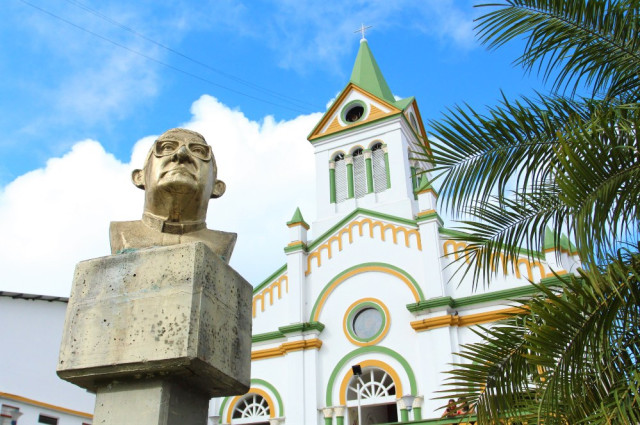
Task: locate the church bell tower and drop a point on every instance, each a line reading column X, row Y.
column 365, row 147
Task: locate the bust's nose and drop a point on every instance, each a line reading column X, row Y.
column 182, row 154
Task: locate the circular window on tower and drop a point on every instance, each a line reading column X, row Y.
column 366, row 322
column 353, row 112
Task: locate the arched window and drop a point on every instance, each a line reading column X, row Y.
column 341, row 177
column 379, row 163
column 359, row 173
column 374, row 384
column 251, row 409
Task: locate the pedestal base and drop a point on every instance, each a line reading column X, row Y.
column 154, row 402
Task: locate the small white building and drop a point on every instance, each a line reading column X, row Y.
column 370, row 293
column 371, row 290
column 30, row 390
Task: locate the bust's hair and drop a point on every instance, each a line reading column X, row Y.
column 182, row 130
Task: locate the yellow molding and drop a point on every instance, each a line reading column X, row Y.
column 277, row 284
column 426, row 212
column 45, row 405
column 298, row 224
column 338, row 103
column 294, row 243
column 286, row 347
column 433, row 192
column 348, row 230
column 468, row 320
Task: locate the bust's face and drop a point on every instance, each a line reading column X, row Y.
column 180, row 162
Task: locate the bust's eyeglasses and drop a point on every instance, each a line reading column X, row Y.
column 170, row 147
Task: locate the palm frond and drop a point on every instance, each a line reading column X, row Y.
column 595, row 42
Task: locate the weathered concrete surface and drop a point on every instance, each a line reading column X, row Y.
column 158, row 402
column 176, row 312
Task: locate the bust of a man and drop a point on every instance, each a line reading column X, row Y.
column 179, row 178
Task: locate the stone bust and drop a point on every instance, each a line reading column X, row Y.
column 179, row 178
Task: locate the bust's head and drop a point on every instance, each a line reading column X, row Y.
column 179, row 177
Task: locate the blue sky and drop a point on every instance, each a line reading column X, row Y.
column 85, row 82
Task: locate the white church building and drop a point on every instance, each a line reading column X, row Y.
column 371, row 293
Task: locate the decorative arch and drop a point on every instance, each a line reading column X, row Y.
column 371, row 350
column 405, row 277
column 369, row 363
column 252, row 390
column 255, row 382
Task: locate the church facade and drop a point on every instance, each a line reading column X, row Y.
column 367, row 312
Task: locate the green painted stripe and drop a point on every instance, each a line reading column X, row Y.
column 350, row 188
column 369, row 166
column 297, row 247
column 301, row 327
column 332, row 185
column 387, row 169
column 430, row 216
column 267, row 336
column 505, row 294
column 269, row 279
column 273, row 391
column 414, row 284
column 223, row 405
column 368, row 350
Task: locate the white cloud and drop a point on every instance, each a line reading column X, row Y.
column 53, row 217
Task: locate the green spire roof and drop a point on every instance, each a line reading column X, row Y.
column 367, row 75
column 297, row 219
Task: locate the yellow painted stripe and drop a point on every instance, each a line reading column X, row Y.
column 468, row 320
column 285, row 348
column 45, row 405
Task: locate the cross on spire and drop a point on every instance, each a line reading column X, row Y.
column 362, row 29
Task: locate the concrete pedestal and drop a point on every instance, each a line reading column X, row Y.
column 156, row 333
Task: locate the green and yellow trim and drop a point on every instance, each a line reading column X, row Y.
column 252, row 390
column 369, row 363
column 355, row 308
column 375, row 349
column 402, row 275
column 53, row 407
column 285, row 348
column 449, row 320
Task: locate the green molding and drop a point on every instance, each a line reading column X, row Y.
column 358, row 308
column 267, row 336
column 367, row 350
column 269, row 279
column 430, row 216
column 301, row 327
column 274, row 392
column 386, row 165
column 505, row 294
column 414, row 284
column 431, row 303
column 332, row 185
column 354, row 213
column 350, row 189
column 297, row 247
column 369, row 167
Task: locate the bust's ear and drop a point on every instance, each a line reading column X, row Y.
column 137, row 177
column 218, row 189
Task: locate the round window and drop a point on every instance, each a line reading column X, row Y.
column 366, row 322
column 353, row 112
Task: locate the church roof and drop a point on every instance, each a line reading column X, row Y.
column 367, row 75
column 297, row 219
